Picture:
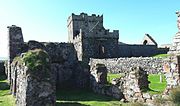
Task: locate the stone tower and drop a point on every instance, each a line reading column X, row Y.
column 90, row 38
column 15, row 44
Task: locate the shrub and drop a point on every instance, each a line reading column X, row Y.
column 175, row 95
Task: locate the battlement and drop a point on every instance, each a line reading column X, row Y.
column 84, row 17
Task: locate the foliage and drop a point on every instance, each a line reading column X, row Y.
column 35, row 58
column 175, row 95
column 6, row 99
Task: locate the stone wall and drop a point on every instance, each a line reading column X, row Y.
column 99, row 84
column 15, row 45
column 15, row 42
column 140, row 50
column 33, row 81
column 125, row 88
column 64, row 62
column 134, row 83
column 172, row 74
column 119, row 65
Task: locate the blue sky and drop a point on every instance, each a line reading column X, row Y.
column 45, row 20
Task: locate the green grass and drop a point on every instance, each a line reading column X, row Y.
column 155, row 86
column 6, row 99
column 110, row 76
column 84, row 98
column 161, row 55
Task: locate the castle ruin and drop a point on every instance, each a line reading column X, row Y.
column 87, row 38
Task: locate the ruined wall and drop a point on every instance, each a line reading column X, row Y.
column 140, row 50
column 125, row 88
column 63, row 55
column 32, row 80
column 64, row 62
column 134, row 83
column 119, row 65
column 99, row 84
column 15, row 46
column 172, row 74
column 15, row 43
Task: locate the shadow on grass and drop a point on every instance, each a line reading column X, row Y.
column 3, row 77
column 3, row 85
column 70, row 104
column 150, row 90
column 80, row 95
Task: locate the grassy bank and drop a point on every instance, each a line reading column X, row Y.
column 6, row 99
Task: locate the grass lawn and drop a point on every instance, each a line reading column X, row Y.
column 155, row 85
column 161, row 55
column 112, row 76
column 84, row 98
column 6, row 99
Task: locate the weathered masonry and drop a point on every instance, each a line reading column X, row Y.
column 92, row 40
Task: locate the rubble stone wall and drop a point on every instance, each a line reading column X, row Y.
column 64, row 62
column 126, row 88
column 120, row 65
column 33, row 84
column 99, row 84
column 172, row 74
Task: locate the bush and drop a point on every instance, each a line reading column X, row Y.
column 175, row 95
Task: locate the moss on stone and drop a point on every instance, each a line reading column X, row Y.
column 37, row 60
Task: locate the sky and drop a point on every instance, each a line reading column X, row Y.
column 46, row 20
